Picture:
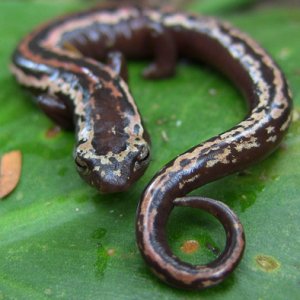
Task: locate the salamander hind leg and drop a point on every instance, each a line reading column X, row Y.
column 56, row 110
column 117, row 61
column 165, row 53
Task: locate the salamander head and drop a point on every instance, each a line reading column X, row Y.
column 114, row 172
column 113, row 150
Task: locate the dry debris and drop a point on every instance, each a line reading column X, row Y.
column 10, row 172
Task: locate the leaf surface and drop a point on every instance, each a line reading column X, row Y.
column 59, row 238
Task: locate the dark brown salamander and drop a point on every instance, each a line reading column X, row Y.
column 59, row 62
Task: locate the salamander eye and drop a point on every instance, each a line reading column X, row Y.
column 144, row 155
column 82, row 166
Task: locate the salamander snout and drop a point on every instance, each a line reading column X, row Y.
column 113, row 173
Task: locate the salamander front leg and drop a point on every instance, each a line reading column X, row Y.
column 117, row 61
column 165, row 54
column 56, row 110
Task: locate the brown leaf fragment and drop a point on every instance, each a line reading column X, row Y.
column 10, row 172
column 53, row 132
column 190, row 246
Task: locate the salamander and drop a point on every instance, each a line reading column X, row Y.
column 75, row 66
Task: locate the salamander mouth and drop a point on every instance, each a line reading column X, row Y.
column 109, row 182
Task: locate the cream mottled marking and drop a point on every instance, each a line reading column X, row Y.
column 272, row 138
column 270, row 129
column 46, row 82
column 183, row 183
column 286, row 124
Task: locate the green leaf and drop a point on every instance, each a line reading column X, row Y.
column 218, row 6
column 59, row 238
